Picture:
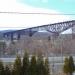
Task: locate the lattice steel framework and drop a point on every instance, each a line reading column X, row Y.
column 55, row 29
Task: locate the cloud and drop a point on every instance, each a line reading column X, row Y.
column 8, row 21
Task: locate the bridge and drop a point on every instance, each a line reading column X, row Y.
column 54, row 29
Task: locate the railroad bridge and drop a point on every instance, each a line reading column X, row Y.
column 55, row 29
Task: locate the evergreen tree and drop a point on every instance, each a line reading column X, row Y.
column 17, row 67
column 71, row 65
column 33, row 66
column 47, row 67
column 40, row 65
column 7, row 70
column 1, row 68
column 66, row 66
column 25, row 65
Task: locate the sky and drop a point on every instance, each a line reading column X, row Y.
column 21, row 21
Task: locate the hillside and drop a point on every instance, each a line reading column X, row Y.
column 41, row 41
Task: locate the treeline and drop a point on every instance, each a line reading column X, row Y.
column 34, row 65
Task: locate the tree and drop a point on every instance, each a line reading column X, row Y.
column 40, row 65
column 66, row 66
column 33, row 66
column 7, row 70
column 17, row 66
column 2, row 48
column 1, row 68
column 25, row 65
column 71, row 65
column 47, row 69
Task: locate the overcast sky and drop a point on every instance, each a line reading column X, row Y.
column 18, row 21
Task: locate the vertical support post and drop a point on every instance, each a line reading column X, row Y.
column 52, row 41
column 62, row 51
column 30, row 32
column 73, row 32
column 11, row 36
column 18, row 36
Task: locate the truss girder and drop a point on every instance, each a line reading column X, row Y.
column 58, row 27
column 55, row 28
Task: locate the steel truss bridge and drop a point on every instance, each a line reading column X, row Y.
column 54, row 29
